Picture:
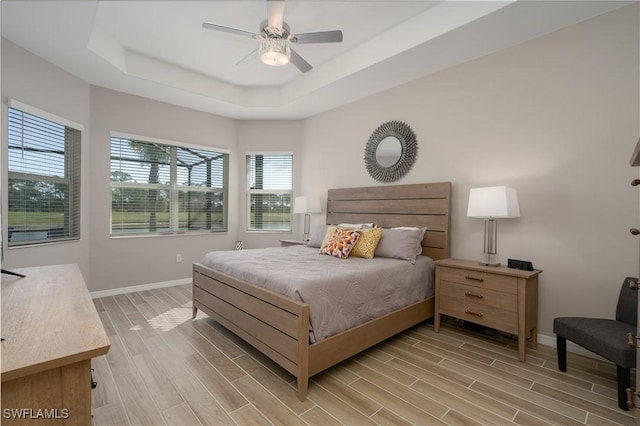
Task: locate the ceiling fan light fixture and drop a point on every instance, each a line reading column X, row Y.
column 275, row 51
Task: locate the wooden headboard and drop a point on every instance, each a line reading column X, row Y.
column 422, row 204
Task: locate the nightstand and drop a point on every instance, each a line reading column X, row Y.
column 502, row 298
column 285, row 243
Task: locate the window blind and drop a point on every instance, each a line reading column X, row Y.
column 159, row 188
column 269, row 181
column 43, row 159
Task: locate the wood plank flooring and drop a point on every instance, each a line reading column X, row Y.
column 166, row 369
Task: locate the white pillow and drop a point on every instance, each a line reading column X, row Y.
column 317, row 235
column 400, row 243
column 415, row 228
column 356, row 225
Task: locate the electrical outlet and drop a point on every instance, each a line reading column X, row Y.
column 178, row 258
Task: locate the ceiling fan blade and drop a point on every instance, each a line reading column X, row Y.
column 249, row 59
column 319, row 37
column 299, row 62
column 275, row 13
column 230, row 30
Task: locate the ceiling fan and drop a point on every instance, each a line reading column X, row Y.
column 275, row 38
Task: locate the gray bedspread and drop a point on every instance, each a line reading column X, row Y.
column 341, row 293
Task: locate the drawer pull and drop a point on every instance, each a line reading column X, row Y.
column 479, row 296
column 474, row 278
column 634, row 231
column 635, row 182
column 478, row 314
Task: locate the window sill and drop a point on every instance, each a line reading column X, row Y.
column 172, row 234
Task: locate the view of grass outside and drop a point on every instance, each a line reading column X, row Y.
column 34, row 220
column 274, row 221
column 43, row 165
column 147, row 197
column 138, row 222
column 269, row 189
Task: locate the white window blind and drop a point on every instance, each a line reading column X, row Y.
column 162, row 188
column 43, row 159
column 269, row 181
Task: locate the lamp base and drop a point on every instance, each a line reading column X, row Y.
column 489, row 256
column 307, row 224
column 490, row 259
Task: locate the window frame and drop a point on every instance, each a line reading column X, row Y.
column 250, row 192
column 72, row 163
column 173, row 188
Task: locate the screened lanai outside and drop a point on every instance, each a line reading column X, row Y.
column 162, row 188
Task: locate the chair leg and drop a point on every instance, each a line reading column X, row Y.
column 624, row 381
column 561, row 344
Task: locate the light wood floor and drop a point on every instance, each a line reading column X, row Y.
column 164, row 368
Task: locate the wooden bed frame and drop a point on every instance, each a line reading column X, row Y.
column 279, row 326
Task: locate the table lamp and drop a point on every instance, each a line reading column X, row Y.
column 491, row 203
column 306, row 204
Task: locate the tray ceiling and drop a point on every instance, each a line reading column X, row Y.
column 158, row 49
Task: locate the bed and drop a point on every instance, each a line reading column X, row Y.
column 278, row 325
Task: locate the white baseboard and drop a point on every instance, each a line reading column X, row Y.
column 141, row 287
column 571, row 347
column 549, row 341
column 542, row 339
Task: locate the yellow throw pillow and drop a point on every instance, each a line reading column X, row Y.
column 367, row 243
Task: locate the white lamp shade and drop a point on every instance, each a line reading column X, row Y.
column 307, row 204
column 493, row 202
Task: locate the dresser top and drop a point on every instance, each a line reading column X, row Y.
column 474, row 265
column 48, row 320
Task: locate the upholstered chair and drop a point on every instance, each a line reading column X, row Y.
column 605, row 337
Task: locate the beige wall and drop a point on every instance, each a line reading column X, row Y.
column 122, row 262
column 31, row 80
column 111, row 263
column 267, row 136
column 556, row 118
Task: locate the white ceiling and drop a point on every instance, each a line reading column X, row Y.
column 158, row 49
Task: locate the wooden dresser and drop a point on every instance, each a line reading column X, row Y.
column 502, row 298
column 51, row 331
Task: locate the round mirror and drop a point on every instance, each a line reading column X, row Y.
column 390, row 151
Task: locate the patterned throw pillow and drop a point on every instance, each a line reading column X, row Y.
column 367, row 243
column 341, row 243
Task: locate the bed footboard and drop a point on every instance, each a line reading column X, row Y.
column 341, row 346
column 274, row 324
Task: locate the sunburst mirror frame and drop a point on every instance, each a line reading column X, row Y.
column 408, row 142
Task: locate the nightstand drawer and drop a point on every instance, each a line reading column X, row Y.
column 497, row 282
column 480, row 296
column 478, row 313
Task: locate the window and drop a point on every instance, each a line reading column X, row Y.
column 161, row 188
column 43, row 159
column 269, row 188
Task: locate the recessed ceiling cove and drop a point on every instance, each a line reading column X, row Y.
column 160, row 49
